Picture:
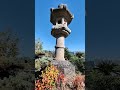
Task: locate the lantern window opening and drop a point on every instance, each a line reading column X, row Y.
column 60, row 21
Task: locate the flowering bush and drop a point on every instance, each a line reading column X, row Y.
column 78, row 82
column 60, row 84
column 51, row 78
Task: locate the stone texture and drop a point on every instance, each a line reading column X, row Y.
column 60, row 29
column 65, row 66
column 63, row 11
column 60, row 18
column 59, row 48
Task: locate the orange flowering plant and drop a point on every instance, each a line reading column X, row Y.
column 78, row 82
column 51, row 78
column 60, row 81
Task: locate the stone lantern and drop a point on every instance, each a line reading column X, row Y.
column 60, row 18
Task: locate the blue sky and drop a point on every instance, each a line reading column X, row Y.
column 76, row 40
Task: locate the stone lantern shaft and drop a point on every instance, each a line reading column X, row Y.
column 60, row 18
column 59, row 48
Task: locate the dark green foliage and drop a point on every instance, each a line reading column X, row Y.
column 77, row 59
column 8, row 44
column 99, row 81
column 78, row 62
column 21, row 81
column 67, row 54
column 106, row 67
column 15, row 73
column 80, row 54
column 105, row 77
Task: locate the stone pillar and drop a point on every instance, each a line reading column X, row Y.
column 59, row 48
column 60, row 18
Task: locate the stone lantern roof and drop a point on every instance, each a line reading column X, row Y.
column 61, row 11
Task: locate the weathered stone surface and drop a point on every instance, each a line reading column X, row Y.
column 63, row 11
column 65, row 66
column 60, row 30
